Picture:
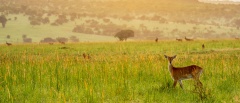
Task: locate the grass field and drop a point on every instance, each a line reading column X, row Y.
column 22, row 27
column 118, row 72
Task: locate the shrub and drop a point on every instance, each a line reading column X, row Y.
column 47, row 40
column 124, row 34
column 62, row 39
column 27, row 40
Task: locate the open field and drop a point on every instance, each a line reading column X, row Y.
column 118, row 72
column 144, row 30
column 22, row 27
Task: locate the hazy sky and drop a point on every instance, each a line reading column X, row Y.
column 223, row 0
column 227, row 0
column 237, row 1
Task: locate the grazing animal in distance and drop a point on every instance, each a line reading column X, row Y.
column 61, row 42
column 50, row 43
column 203, row 46
column 237, row 38
column 178, row 39
column 156, row 40
column 85, row 56
column 188, row 39
column 181, row 73
column 8, row 44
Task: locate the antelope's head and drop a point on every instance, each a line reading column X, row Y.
column 170, row 59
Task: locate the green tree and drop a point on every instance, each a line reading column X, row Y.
column 3, row 20
column 124, row 34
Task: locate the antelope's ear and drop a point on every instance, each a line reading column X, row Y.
column 174, row 56
column 165, row 56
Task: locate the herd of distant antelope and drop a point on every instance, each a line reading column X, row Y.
column 187, row 39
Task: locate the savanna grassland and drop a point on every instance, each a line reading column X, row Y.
column 118, row 72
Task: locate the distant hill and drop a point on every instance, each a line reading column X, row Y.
column 148, row 18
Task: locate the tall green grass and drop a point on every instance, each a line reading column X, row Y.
column 117, row 72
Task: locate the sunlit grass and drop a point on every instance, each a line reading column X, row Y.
column 117, row 72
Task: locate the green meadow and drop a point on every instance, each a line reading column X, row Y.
column 132, row 72
column 16, row 28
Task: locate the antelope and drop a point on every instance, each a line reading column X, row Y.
column 237, row 38
column 181, row 73
column 187, row 39
column 50, row 43
column 61, row 42
column 85, row 56
column 178, row 39
column 156, row 40
column 203, row 46
column 8, row 44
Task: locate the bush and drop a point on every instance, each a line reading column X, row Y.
column 62, row 39
column 34, row 22
column 3, row 20
column 27, row 40
column 78, row 29
column 24, row 36
column 74, row 39
column 124, row 34
column 8, row 36
column 48, row 40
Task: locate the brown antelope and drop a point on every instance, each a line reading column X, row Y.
column 181, row 73
column 156, row 40
column 8, row 44
column 61, row 42
column 85, row 56
column 203, row 46
column 237, row 38
column 188, row 39
column 178, row 39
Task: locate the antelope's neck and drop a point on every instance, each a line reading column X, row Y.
column 170, row 67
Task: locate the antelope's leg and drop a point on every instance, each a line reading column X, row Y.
column 180, row 82
column 175, row 83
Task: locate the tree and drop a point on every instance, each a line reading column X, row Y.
column 3, row 20
column 124, row 34
column 45, row 20
column 34, row 22
column 24, row 36
column 27, row 40
column 62, row 39
column 74, row 39
column 48, row 40
column 8, row 37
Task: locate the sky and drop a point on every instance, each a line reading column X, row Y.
column 238, row 1
column 225, row 0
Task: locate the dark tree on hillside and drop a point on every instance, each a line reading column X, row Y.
column 3, row 20
column 27, row 40
column 35, row 23
column 74, row 39
column 124, row 34
column 62, row 39
column 79, row 29
column 48, row 40
column 45, row 20
column 24, row 36
column 237, row 22
column 8, row 36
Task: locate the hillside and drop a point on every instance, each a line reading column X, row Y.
column 147, row 18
